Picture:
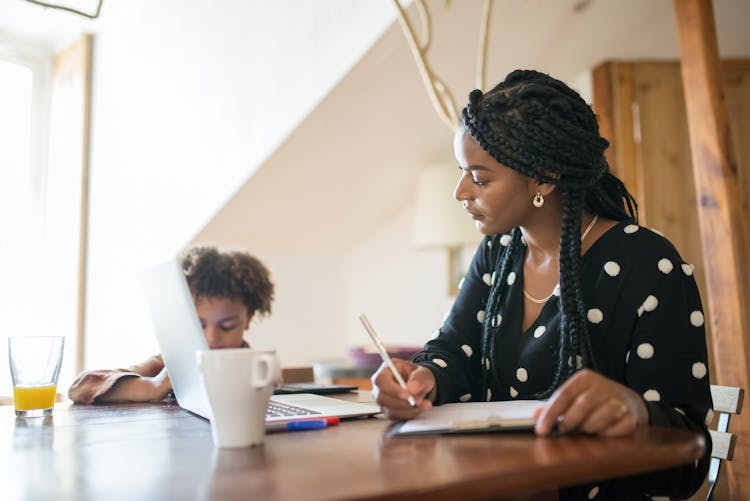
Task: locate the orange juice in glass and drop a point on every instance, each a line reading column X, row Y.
column 34, row 366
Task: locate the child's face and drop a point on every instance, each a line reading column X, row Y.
column 224, row 320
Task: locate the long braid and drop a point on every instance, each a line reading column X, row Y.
column 543, row 129
column 496, row 297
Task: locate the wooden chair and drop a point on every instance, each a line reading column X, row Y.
column 727, row 401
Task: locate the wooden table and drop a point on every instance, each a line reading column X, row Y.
column 159, row 451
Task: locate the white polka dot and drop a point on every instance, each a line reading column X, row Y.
column 487, row 278
column 665, row 265
column 511, row 277
column 487, row 363
column 699, row 370
column 709, row 417
column 645, row 350
column 513, row 392
column 593, row 492
column 627, row 357
column 489, row 243
column 595, row 315
column 539, row 331
column 696, row 318
column 650, row 303
column 467, row 349
column 504, row 240
column 465, row 398
column 522, row 375
column 439, row 362
column 496, row 321
column 611, row 268
column 631, row 228
column 556, row 290
column 489, row 394
column 461, row 283
column 679, row 410
column 579, row 361
column 652, row 395
column 480, row 316
column 640, row 310
column 687, row 269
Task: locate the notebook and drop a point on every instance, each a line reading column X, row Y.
column 471, row 417
column 179, row 335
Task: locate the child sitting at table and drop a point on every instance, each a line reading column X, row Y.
column 229, row 289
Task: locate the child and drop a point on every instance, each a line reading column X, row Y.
column 228, row 288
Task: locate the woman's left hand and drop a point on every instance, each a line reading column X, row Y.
column 592, row 403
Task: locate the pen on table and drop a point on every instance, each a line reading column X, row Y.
column 384, row 355
column 307, row 424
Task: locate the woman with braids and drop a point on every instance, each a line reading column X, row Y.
column 567, row 299
column 229, row 289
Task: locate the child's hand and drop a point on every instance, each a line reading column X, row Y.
column 161, row 385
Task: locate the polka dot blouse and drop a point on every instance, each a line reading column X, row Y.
column 645, row 321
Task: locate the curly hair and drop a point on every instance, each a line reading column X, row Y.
column 212, row 273
column 543, row 129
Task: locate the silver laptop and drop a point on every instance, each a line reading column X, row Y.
column 180, row 335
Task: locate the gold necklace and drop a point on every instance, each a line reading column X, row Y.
column 545, row 299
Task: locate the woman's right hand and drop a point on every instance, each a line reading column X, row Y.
column 420, row 383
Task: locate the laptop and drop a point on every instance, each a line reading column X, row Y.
column 179, row 335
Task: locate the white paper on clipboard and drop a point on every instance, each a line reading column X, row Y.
column 471, row 417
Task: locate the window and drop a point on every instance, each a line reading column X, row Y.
column 19, row 214
column 43, row 161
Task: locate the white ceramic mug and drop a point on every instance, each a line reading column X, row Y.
column 238, row 382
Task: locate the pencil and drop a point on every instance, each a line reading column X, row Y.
column 384, row 355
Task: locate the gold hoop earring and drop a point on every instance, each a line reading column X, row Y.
column 538, row 200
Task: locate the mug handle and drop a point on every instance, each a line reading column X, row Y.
column 269, row 361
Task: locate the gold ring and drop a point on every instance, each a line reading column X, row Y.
column 622, row 409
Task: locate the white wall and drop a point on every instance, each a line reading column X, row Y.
column 189, row 98
column 403, row 291
column 305, row 325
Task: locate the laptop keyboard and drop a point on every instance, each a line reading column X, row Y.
column 276, row 409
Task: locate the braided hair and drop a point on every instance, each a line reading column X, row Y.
column 543, row 129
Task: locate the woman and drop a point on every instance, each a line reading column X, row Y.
column 229, row 289
column 567, row 298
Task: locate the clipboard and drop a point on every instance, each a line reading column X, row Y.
column 470, row 417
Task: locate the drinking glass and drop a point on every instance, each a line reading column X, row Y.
column 34, row 366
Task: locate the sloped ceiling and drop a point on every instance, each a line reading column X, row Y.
column 354, row 161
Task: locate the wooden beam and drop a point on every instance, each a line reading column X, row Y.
column 71, row 82
column 614, row 103
column 721, row 224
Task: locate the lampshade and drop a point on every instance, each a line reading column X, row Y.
column 439, row 220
